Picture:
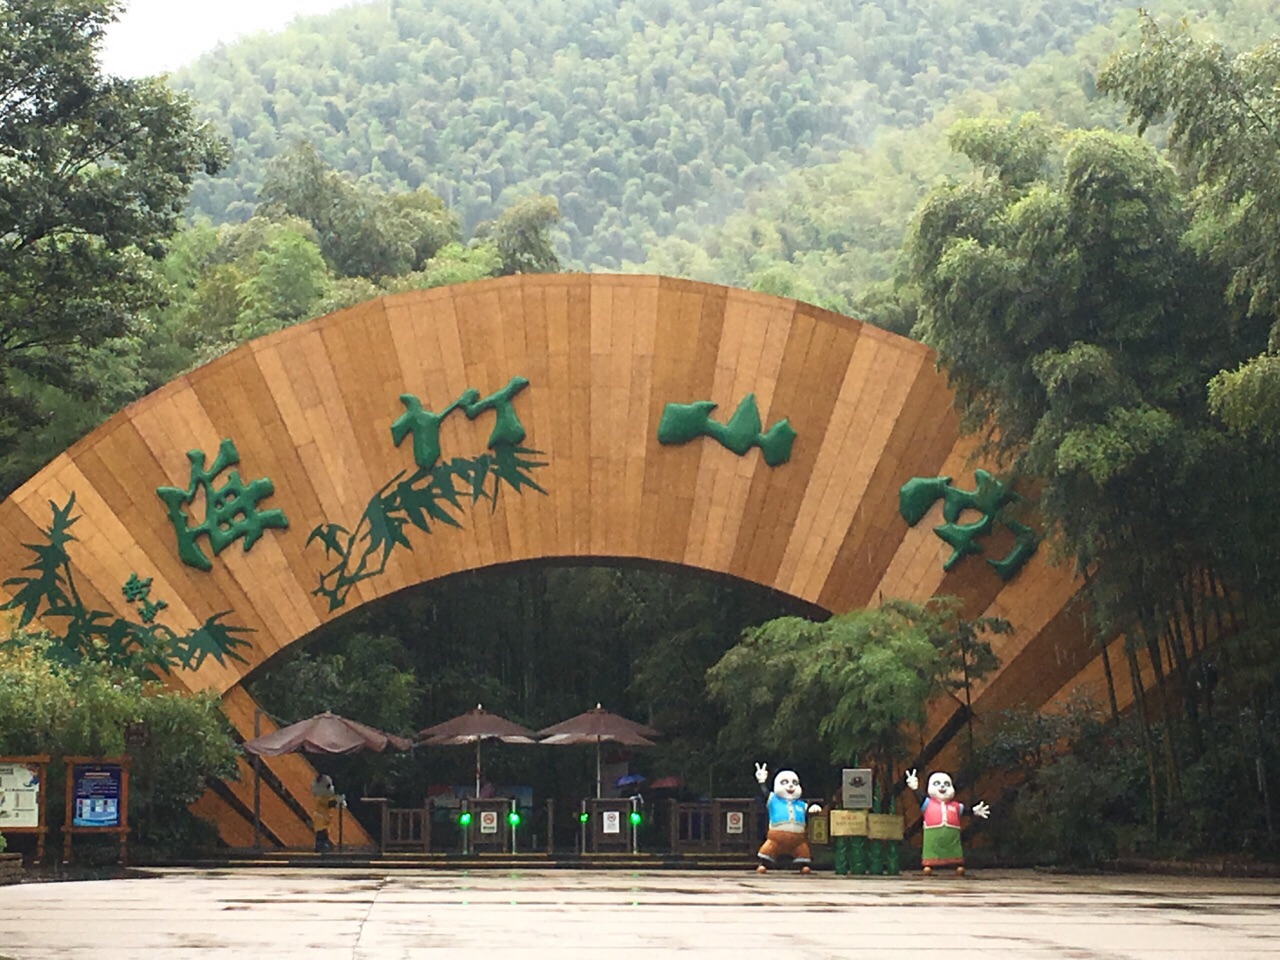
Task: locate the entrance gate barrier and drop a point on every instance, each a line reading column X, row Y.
column 403, row 829
column 489, row 824
column 609, row 825
column 729, row 825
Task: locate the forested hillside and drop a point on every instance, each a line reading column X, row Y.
column 643, row 118
column 831, row 233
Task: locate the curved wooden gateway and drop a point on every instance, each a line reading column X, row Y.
column 526, row 418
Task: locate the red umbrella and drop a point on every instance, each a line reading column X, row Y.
column 598, row 726
column 476, row 726
column 324, row 733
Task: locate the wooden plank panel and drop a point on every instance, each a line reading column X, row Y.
column 913, row 449
column 233, row 829
column 538, row 510
column 241, row 408
column 915, row 572
column 642, row 431
column 717, row 466
column 875, row 385
column 578, row 347
column 810, row 388
column 759, row 375
column 560, row 386
column 701, row 326
column 276, row 815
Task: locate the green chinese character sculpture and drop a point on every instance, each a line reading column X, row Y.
column 231, row 511
column 989, row 499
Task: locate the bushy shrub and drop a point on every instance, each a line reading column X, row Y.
column 83, row 710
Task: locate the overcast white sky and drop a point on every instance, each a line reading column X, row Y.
column 158, row 36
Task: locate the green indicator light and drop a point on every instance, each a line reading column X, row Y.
column 513, row 818
column 635, row 818
column 584, row 817
column 465, row 819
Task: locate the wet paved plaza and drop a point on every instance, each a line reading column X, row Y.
column 575, row 915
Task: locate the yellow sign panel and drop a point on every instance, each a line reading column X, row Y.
column 818, row 832
column 884, row 826
column 848, row 823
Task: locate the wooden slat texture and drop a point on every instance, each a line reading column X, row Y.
column 311, row 407
column 233, row 829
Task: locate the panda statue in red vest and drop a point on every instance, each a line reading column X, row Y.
column 940, row 815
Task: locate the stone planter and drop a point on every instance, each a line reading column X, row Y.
column 10, row 868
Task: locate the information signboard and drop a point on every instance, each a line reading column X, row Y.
column 612, row 821
column 856, row 785
column 819, row 828
column 488, row 821
column 19, row 796
column 96, row 793
column 97, row 800
column 848, row 823
column 734, row 821
column 885, row 826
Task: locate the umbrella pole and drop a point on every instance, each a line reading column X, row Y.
column 257, row 783
column 477, row 769
column 597, row 768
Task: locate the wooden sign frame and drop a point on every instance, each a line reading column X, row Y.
column 121, row 828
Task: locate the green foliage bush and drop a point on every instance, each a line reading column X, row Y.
column 852, row 688
column 83, row 709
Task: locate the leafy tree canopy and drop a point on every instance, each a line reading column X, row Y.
column 83, row 709
column 94, row 173
column 858, row 684
column 1223, row 112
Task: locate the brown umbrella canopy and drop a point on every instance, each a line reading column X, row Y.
column 324, row 733
column 476, row 726
column 598, row 726
column 599, row 723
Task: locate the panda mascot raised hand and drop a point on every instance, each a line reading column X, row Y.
column 787, row 834
column 941, row 815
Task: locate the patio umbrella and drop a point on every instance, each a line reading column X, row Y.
column 476, row 726
column 598, row 726
column 324, row 733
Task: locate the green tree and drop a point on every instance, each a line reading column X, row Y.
column 1223, row 116
column 362, row 231
column 95, row 172
column 857, row 686
column 82, row 710
column 1080, row 328
column 521, row 235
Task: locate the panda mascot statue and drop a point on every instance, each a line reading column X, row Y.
column 941, row 815
column 787, row 834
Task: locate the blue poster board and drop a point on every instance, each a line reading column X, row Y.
column 96, row 794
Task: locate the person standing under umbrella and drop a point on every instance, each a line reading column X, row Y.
column 325, row 801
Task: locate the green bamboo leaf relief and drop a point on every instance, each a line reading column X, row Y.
column 97, row 635
column 439, row 490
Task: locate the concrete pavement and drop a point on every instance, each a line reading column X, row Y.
column 575, row 915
